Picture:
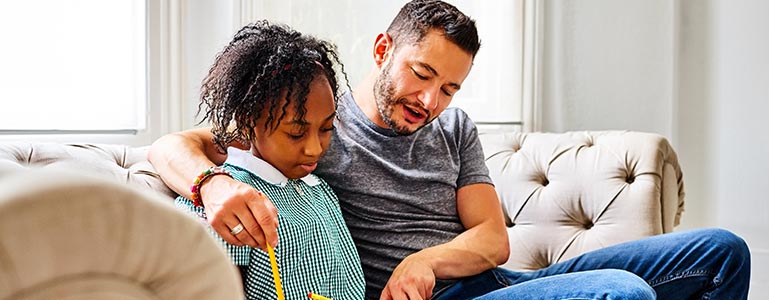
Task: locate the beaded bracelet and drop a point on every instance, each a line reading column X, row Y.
column 205, row 175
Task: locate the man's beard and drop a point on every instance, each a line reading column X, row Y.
column 384, row 92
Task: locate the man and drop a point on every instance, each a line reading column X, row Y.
column 416, row 195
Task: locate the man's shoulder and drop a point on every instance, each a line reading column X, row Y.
column 454, row 118
column 454, row 113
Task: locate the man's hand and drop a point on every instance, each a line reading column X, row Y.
column 412, row 279
column 482, row 246
column 229, row 202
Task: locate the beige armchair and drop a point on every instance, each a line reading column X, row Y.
column 65, row 235
column 566, row 194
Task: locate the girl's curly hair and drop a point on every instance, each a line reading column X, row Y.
column 263, row 63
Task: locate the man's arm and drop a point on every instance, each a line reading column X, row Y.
column 180, row 157
column 484, row 245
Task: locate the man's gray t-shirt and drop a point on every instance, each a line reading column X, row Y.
column 398, row 193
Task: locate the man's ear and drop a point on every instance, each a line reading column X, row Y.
column 382, row 48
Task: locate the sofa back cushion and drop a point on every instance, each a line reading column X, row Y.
column 117, row 162
column 568, row 193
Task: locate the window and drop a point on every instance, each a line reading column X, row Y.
column 73, row 66
column 129, row 71
column 491, row 95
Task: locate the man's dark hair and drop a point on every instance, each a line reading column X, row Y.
column 418, row 17
column 262, row 65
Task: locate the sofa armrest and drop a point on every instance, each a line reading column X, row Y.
column 564, row 194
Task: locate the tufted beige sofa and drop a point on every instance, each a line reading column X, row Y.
column 562, row 194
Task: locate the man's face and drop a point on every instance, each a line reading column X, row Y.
column 417, row 82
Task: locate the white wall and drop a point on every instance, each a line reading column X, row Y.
column 726, row 85
column 695, row 71
column 608, row 65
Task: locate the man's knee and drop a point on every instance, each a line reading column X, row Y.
column 727, row 240
column 732, row 240
column 624, row 285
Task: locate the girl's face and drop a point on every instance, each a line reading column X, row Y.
column 295, row 146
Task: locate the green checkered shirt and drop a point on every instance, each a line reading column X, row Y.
column 315, row 254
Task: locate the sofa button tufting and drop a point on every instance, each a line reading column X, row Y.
column 630, row 179
column 589, row 225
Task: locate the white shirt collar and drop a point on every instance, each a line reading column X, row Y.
column 261, row 168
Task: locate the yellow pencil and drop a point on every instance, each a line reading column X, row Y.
column 317, row 297
column 275, row 274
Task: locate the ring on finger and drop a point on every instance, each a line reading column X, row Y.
column 237, row 229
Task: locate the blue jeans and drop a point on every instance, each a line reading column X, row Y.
column 697, row 264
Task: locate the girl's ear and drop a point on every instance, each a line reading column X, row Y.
column 383, row 45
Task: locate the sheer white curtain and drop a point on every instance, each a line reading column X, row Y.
column 493, row 94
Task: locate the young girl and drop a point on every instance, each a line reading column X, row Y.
column 276, row 90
